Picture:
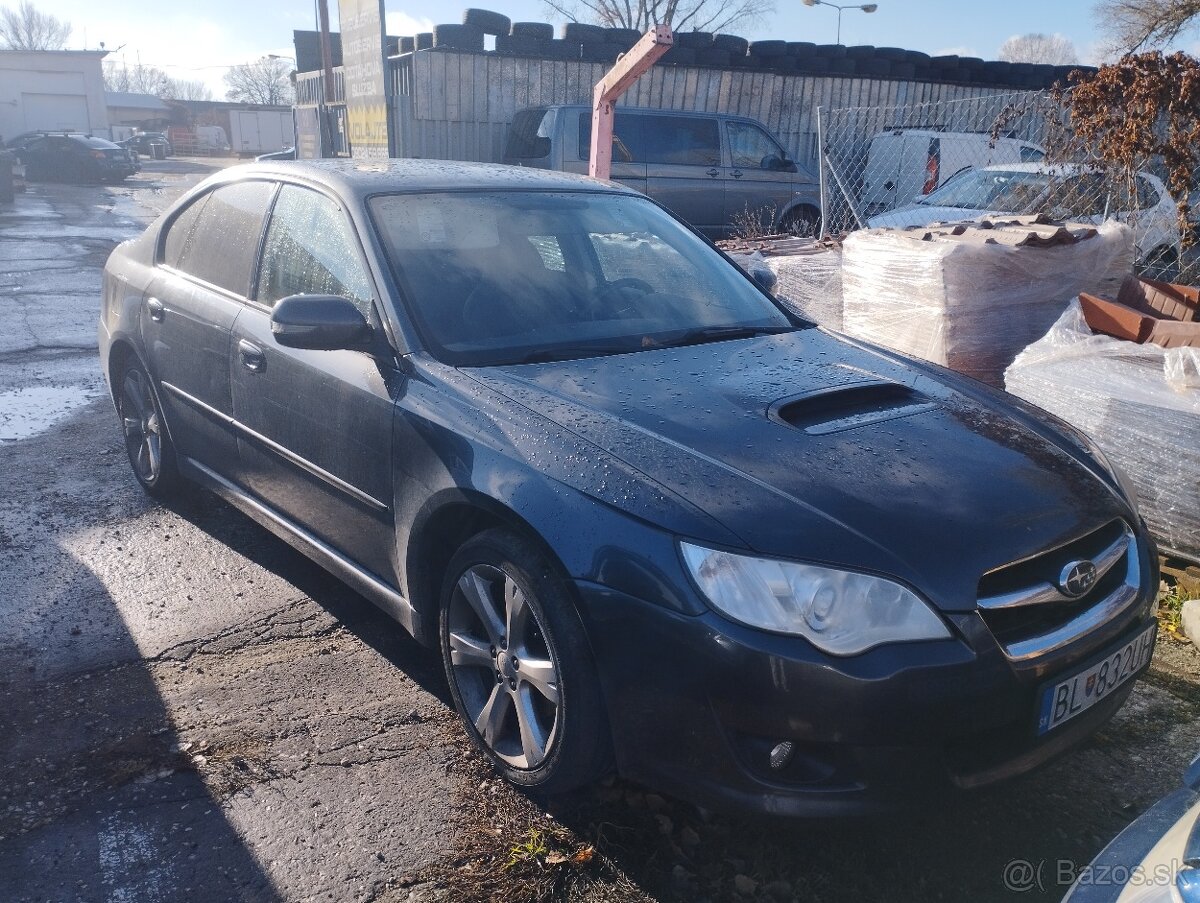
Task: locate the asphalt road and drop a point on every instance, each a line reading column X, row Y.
column 191, row 710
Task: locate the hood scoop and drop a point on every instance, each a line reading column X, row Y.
column 849, row 406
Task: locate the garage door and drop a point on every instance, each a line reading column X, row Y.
column 55, row 112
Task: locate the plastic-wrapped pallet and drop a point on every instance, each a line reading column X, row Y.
column 808, row 274
column 970, row 296
column 810, row 282
column 1139, row 403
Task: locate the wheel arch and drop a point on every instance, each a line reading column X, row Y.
column 447, row 521
column 120, row 353
column 802, row 205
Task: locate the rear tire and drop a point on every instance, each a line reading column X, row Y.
column 147, row 444
column 519, row 665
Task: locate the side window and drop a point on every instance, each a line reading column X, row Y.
column 311, row 250
column 1147, row 194
column 180, row 231
column 628, row 129
column 1031, row 154
column 682, row 140
column 224, row 238
column 750, row 147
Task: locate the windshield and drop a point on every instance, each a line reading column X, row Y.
column 511, row 277
column 990, row 189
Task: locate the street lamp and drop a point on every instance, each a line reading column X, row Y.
column 865, row 7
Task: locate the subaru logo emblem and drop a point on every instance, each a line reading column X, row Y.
column 1077, row 579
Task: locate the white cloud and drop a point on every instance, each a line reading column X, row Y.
column 955, row 51
column 402, row 24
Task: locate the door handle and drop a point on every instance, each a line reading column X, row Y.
column 156, row 309
column 714, row 172
column 737, row 173
column 253, row 358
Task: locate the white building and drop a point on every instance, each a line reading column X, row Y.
column 54, row 90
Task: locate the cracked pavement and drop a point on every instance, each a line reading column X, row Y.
column 189, row 709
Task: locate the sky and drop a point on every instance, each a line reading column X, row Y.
column 198, row 41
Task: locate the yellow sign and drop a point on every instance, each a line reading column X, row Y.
column 363, row 72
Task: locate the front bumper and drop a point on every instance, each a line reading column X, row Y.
column 697, row 703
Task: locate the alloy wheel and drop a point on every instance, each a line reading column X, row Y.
column 142, row 425
column 503, row 666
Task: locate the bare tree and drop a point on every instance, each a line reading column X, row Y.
column 25, row 27
column 266, row 80
column 137, row 79
column 186, row 90
column 681, row 15
column 1052, row 49
column 141, row 79
column 1141, row 24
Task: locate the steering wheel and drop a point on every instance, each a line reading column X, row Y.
column 619, row 288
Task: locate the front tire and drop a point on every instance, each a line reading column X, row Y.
column 519, row 665
column 147, row 444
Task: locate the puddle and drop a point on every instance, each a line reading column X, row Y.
column 34, row 398
column 27, row 412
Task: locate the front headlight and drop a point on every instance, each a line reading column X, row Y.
column 839, row 612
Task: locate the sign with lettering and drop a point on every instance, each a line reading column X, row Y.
column 363, row 70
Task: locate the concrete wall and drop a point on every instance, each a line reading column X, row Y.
column 52, row 90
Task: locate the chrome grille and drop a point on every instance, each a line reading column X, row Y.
column 1029, row 615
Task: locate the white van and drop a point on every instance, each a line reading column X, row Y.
column 905, row 164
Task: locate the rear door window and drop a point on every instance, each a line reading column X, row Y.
column 180, row 231
column 224, row 239
column 682, row 140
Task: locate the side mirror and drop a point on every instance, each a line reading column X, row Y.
column 319, row 323
column 765, row 278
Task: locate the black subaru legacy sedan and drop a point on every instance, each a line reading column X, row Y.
column 653, row 521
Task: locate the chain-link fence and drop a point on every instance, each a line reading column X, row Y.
column 909, row 166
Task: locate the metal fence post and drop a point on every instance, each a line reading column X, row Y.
column 821, row 173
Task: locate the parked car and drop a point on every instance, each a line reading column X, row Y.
column 905, row 164
column 288, row 153
column 76, row 158
column 708, row 168
column 650, row 518
column 1064, row 191
column 144, row 143
column 19, row 141
column 1154, row 860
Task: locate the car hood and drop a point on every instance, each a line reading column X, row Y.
column 922, row 215
column 807, row 445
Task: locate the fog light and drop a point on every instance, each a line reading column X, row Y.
column 781, row 754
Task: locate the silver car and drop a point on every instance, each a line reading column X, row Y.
column 723, row 174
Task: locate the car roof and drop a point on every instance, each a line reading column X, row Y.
column 1057, row 169
column 939, row 133
column 361, row 178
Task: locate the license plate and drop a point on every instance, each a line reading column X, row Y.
column 1076, row 694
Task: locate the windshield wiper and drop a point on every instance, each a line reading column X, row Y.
column 542, row 355
column 723, row 333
